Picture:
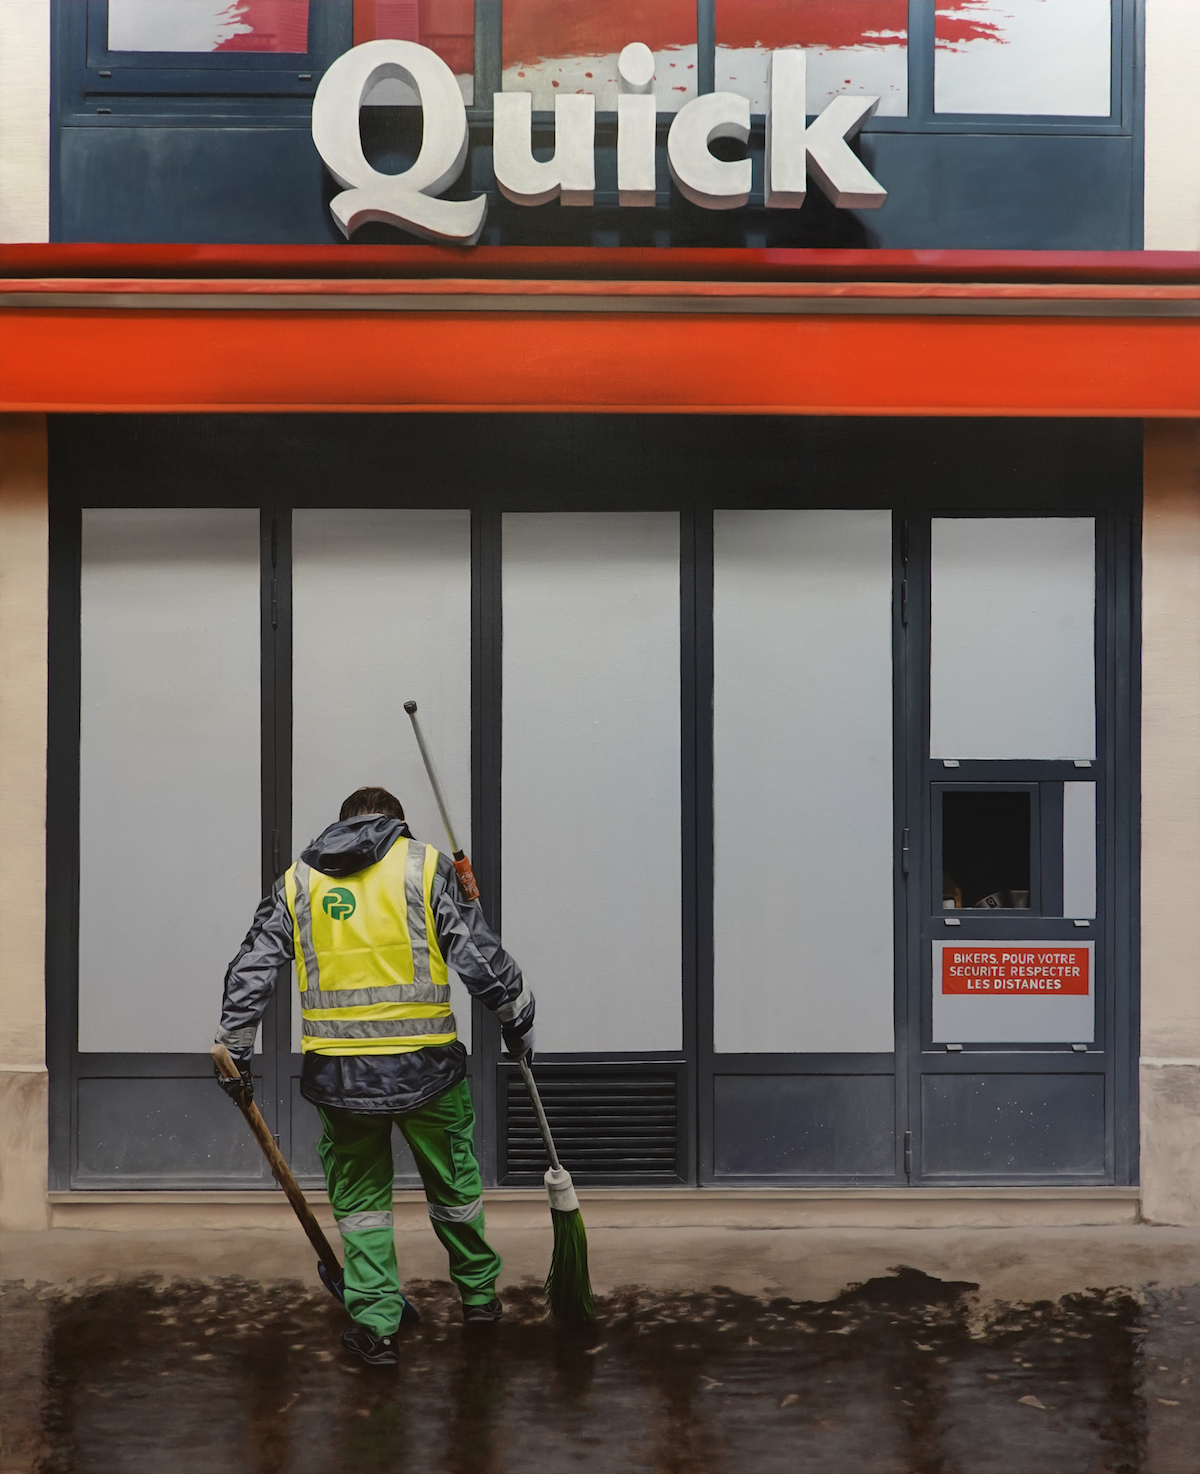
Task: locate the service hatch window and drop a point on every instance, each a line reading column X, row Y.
column 986, row 850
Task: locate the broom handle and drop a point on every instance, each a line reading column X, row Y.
column 411, row 708
column 279, row 1168
column 540, row 1114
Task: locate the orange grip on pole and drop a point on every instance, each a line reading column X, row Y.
column 466, row 877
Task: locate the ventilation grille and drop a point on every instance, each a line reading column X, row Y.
column 603, row 1125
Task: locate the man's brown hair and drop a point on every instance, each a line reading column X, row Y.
column 371, row 801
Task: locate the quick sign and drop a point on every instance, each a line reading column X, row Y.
column 1013, row 992
column 411, row 200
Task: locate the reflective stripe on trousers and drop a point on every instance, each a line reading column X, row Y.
column 355, row 1222
column 456, row 1212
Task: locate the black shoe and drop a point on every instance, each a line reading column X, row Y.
column 376, row 1351
column 481, row 1315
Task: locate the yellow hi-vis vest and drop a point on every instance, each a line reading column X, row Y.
column 372, row 977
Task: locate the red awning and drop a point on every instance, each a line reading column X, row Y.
column 184, row 328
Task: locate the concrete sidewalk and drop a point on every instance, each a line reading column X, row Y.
column 1008, row 1264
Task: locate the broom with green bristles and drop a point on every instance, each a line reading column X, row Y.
column 568, row 1286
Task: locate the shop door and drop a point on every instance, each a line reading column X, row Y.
column 1015, row 1004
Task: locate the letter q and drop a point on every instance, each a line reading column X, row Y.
column 406, row 199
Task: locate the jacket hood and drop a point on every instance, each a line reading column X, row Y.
column 351, row 845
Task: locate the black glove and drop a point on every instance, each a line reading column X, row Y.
column 518, row 1045
column 241, row 1090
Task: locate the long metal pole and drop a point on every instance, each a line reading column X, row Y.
column 427, row 757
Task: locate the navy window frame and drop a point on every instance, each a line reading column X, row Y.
column 111, row 74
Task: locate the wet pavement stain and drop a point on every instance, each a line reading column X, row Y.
column 904, row 1373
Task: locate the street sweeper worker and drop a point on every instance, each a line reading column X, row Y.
column 373, row 918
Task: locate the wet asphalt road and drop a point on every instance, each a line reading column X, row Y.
column 899, row 1374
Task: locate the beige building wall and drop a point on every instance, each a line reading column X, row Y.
column 23, row 605
column 1172, row 204
column 1170, row 1074
column 24, row 120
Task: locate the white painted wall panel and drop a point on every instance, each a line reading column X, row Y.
column 802, row 628
column 169, row 771
column 1012, row 644
column 1172, row 189
column 381, row 610
column 24, row 120
column 591, row 775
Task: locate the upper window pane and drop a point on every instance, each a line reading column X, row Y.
column 854, row 46
column 557, row 46
column 444, row 26
column 1024, row 57
column 208, row 25
column 1012, row 638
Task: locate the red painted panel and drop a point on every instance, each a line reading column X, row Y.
column 537, row 29
column 832, row 23
column 154, row 360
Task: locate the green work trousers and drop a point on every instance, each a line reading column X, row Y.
column 356, row 1152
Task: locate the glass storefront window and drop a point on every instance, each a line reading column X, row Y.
column 444, row 26
column 1050, row 58
column 208, row 25
column 853, row 46
column 553, row 47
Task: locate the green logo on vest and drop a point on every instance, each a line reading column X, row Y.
column 339, row 903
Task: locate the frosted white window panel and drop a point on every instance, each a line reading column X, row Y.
column 873, row 71
column 169, row 805
column 1079, row 850
column 1012, row 643
column 1024, row 57
column 208, row 25
column 591, row 806
column 381, row 614
column 803, row 865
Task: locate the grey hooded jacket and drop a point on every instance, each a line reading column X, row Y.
column 373, row 1083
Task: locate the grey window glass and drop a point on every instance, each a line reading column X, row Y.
column 802, row 750
column 1012, row 638
column 169, row 810
column 591, row 775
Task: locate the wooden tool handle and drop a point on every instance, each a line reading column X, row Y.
column 279, row 1168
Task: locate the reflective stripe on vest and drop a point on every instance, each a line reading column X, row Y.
column 372, row 977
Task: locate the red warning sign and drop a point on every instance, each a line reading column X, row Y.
column 1023, row 970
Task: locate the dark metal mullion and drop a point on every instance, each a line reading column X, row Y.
column 487, row 644
column 1133, row 110
column 62, row 832
column 916, row 693
column 706, row 46
column 705, row 1047
column 921, row 17
column 489, row 51
column 275, row 627
column 1050, row 843
column 692, row 902
column 906, row 825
